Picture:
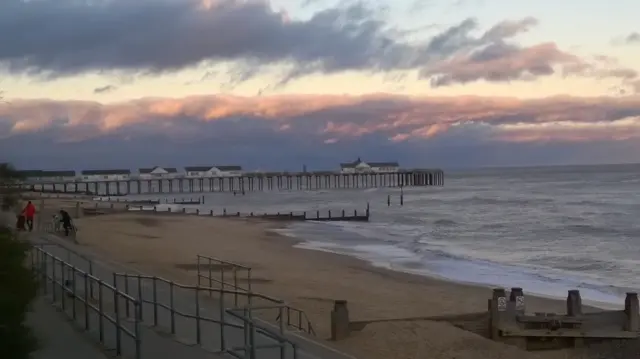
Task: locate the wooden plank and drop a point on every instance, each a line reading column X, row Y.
column 542, row 333
column 547, row 319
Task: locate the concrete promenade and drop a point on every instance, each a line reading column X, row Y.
column 156, row 341
column 58, row 337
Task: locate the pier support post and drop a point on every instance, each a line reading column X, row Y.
column 339, row 320
column 632, row 312
column 574, row 303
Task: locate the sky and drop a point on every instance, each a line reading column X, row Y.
column 278, row 84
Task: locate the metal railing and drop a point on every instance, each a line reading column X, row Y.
column 295, row 318
column 249, row 348
column 151, row 289
column 68, row 283
column 239, row 273
column 70, row 256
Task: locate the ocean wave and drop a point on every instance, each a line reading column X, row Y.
column 445, row 222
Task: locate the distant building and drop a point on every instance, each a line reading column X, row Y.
column 359, row 166
column 48, row 176
column 213, row 171
column 105, row 175
column 157, row 173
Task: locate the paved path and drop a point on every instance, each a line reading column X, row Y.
column 57, row 336
column 157, row 341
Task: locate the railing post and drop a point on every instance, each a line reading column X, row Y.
column 172, row 309
column 222, row 276
column 235, row 284
column 155, row 301
column 91, row 282
column 138, row 309
column 247, row 342
column 63, row 292
column 282, row 344
column 73, row 292
column 126, row 291
column 86, row 302
column 252, row 337
column 140, row 296
column 198, row 268
column 210, row 277
column 100, row 312
column 198, row 334
column 222, row 322
column 249, row 281
column 117, row 318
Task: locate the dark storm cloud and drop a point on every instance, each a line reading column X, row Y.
column 67, row 37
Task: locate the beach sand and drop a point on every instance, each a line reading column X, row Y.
column 310, row 280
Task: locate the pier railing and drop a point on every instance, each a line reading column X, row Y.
column 70, row 289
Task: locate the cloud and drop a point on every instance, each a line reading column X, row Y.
column 68, row 37
column 104, row 89
column 633, row 38
column 325, row 129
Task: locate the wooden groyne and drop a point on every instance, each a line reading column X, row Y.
column 506, row 320
column 147, row 202
column 250, row 182
column 328, row 216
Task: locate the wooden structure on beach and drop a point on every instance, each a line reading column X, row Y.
column 341, row 216
column 247, row 182
column 507, row 321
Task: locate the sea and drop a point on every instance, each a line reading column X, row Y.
column 545, row 229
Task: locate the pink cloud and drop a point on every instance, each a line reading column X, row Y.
column 332, row 118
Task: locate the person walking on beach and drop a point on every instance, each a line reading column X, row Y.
column 29, row 212
column 65, row 219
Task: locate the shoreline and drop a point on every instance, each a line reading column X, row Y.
column 295, row 243
column 298, row 243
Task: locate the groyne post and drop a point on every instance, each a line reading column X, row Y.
column 339, row 320
column 497, row 312
column 574, row 303
column 631, row 310
column 516, row 298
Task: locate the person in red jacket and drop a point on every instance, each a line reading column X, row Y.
column 29, row 212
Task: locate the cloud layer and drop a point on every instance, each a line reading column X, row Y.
column 322, row 128
column 68, row 37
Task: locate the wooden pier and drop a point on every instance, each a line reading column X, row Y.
column 248, row 182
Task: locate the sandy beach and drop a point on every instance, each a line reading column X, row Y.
column 311, row 280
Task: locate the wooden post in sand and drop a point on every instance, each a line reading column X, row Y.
column 516, row 297
column 632, row 312
column 574, row 303
column 497, row 312
column 339, row 320
column 78, row 212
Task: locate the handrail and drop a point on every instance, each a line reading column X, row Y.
column 299, row 313
column 250, row 326
column 67, row 284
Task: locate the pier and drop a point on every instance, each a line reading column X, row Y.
column 247, row 182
